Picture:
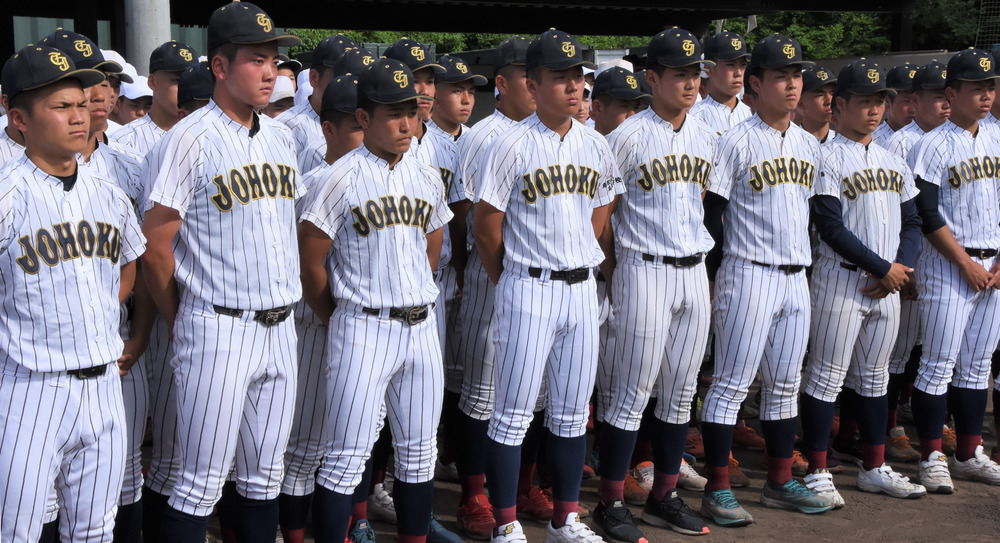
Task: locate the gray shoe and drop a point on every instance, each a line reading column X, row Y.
column 793, row 495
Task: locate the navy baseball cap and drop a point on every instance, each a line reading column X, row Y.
column 512, row 51
column 725, row 46
column 329, row 50
column 36, row 66
column 863, row 77
column 900, row 77
column 284, row 61
column 971, row 65
column 456, row 71
column 172, row 56
column 931, row 76
column 196, row 83
column 245, row 24
column 354, row 61
column 341, row 95
column 555, row 50
column 644, row 85
column 414, row 54
column 83, row 52
column 816, row 76
column 777, row 51
column 617, row 82
column 389, row 81
column 676, row 48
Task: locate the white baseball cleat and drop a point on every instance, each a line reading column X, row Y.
column 883, row 480
column 978, row 468
column 934, row 474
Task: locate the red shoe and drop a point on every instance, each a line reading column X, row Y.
column 695, row 446
column 581, row 511
column 535, row 504
column 634, row 494
column 747, row 438
column 588, row 472
column 475, row 518
column 737, row 479
column 949, row 441
column 835, row 427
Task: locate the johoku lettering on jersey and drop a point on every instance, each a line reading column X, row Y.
column 51, row 239
column 967, row 169
column 370, row 212
column 665, row 172
column 233, row 189
column 762, row 182
column 871, row 183
column 524, row 168
column 719, row 116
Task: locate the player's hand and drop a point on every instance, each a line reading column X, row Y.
column 910, row 288
column 875, row 290
column 995, row 276
column 896, row 278
column 977, row 276
column 134, row 347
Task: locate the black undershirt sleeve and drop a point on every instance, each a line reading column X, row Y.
column 715, row 208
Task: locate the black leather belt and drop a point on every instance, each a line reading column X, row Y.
column 789, row 269
column 89, row 373
column 981, row 253
column 578, row 275
column 676, row 261
column 267, row 317
column 847, row 266
column 408, row 315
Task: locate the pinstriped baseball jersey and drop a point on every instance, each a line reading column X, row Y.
column 140, row 135
column 664, row 170
column 440, row 151
column 870, row 183
column 548, row 189
column 9, row 149
column 373, row 214
column 472, row 149
column 967, row 169
column 234, row 191
column 882, row 134
column 903, row 139
column 121, row 168
column 313, row 156
column 304, row 123
column 768, row 179
column 718, row 116
column 51, row 240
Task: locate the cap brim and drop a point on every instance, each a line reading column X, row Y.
column 297, row 65
column 124, row 77
column 973, row 79
column 723, row 57
column 686, row 64
column 438, row 69
column 623, row 96
column 88, row 77
column 283, row 40
column 567, row 65
column 476, row 79
column 396, row 99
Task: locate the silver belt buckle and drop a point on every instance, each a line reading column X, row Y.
column 416, row 315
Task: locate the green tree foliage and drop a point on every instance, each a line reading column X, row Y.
column 945, row 24
column 822, row 35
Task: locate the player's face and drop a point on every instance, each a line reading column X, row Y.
column 347, row 134
column 129, row 110
column 779, row 89
column 423, row 83
column 860, row 115
column 816, row 106
column 454, row 101
column 290, row 74
column 389, row 128
column 58, row 123
column 972, row 100
column 608, row 113
column 932, row 107
column 900, row 110
column 557, row 93
column 514, row 80
column 164, row 85
column 583, row 111
column 676, row 88
column 99, row 105
column 276, row 108
column 249, row 78
column 726, row 77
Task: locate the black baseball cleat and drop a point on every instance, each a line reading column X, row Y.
column 673, row 513
column 616, row 522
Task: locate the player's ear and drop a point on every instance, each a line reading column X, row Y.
column 151, row 81
column 329, row 131
column 755, row 83
column 18, row 117
column 364, row 119
column 596, row 107
column 219, row 66
column 501, row 83
column 841, row 103
column 313, row 78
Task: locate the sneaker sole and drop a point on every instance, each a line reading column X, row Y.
column 654, row 520
column 939, row 489
column 607, row 534
column 721, row 521
column 781, row 504
column 876, row 489
column 975, row 479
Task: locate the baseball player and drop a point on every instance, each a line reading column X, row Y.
column 476, row 348
column 815, row 107
column 134, row 101
column 760, row 184
column 227, row 173
column 869, row 230
column 542, row 202
column 290, row 68
column 956, row 171
column 417, row 57
column 659, row 290
column 614, row 99
column 166, row 63
column 899, row 112
column 69, row 240
column 931, row 110
column 11, row 141
column 377, row 200
column 722, row 109
column 194, row 89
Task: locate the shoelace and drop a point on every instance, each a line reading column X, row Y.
column 726, row 499
column 797, row 490
column 621, row 514
column 646, row 472
column 688, row 471
column 675, row 503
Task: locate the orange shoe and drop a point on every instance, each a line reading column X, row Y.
column 737, row 479
column 581, row 511
column 634, row 494
column 535, row 504
column 475, row 518
column 949, row 442
column 747, row 438
column 799, row 464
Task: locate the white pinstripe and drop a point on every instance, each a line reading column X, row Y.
column 140, row 135
column 304, row 123
column 718, row 116
column 882, row 134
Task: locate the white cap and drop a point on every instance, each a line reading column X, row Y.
column 126, row 67
column 620, row 62
column 283, row 88
column 136, row 90
column 305, row 88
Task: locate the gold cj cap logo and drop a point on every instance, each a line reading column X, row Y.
column 367, row 60
column 460, row 66
column 185, row 54
column 630, row 80
column 265, row 22
column 417, row 52
column 688, row 47
column 737, row 44
column 789, row 50
column 873, row 75
column 59, row 61
column 83, row 47
column 944, row 74
column 399, row 76
column 984, row 63
column 822, row 75
column 911, row 74
column 569, row 48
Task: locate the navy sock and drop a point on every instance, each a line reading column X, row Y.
column 472, row 451
column 415, row 501
column 817, row 421
column 616, row 451
column 50, row 532
column 892, row 391
column 779, row 436
column 294, row 510
column 872, row 415
column 649, row 418
column 928, row 413
column 533, row 439
column 503, row 466
column 382, row 448
column 331, row 515
column 448, row 431
column 128, row 523
column 154, row 505
column 226, row 508
column 849, row 406
column 668, row 445
column 718, row 439
column 256, row 520
column 179, row 526
column 968, row 407
column 566, row 458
